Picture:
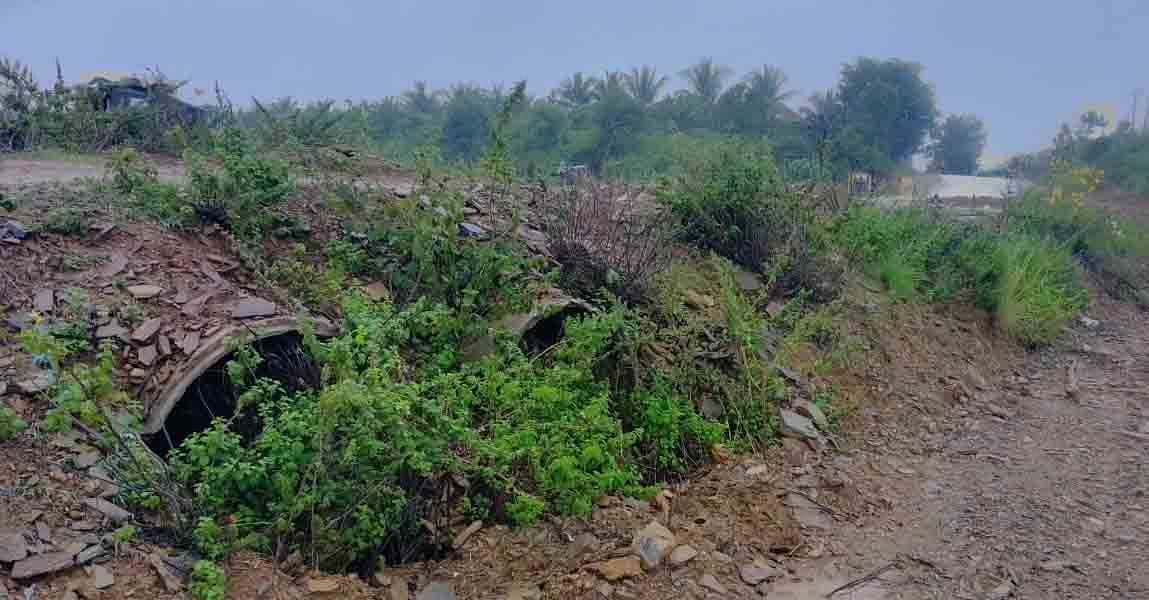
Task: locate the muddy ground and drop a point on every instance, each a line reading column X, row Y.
column 969, row 469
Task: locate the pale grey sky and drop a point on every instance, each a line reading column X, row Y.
column 1022, row 65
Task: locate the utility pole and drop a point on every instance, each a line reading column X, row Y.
column 1145, row 119
column 1133, row 114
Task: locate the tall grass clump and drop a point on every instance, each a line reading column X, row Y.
column 1031, row 283
column 904, row 250
column 1038, row 289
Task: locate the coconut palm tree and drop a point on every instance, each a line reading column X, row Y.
column 421, row 99
column 577, row 90
column 645, row 85
column 706, row 79
column 766, row 87
column 611, row 82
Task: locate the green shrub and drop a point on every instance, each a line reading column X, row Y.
column 350, row 470
column 130, row 172
column 907, row 251
column 137, row 182
column 10, row 424
column 731, row 200
column 418, row 247
column 239, row 192
column 672, row 436
column 66, row 221
column 313, row 285
column 231, row 186
column 1123, row 155
column 208, row 581
column 900, row 276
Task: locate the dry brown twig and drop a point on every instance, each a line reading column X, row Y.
column 863, row 579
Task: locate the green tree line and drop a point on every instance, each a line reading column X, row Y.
column 632, row 123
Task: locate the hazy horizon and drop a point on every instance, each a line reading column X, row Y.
column 1023, row 67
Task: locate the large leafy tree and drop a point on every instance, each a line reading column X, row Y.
column 957, row 144
column 577, row 91
column 888, row 105
column 645, row 84
column 706, row 79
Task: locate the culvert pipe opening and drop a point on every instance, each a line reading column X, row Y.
column 202, row 390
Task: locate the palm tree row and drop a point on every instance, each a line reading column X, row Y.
column 705, row 79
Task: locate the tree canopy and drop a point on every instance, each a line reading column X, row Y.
column 957, row 145
column 888, row 104
column 635, row 121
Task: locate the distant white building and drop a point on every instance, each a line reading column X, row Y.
column 968, row 187
column 966, row 196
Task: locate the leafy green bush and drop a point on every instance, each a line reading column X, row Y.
column 1123, row 155
column 239, row 192
column 672, row 436
column 208, row 581
column 732, row 201
column 67, row 221
column 420, row 251
column 353, row 469
column 905, row 250
column 130, row 172
column 231, row 186
column 315, row 286
column 10, row 424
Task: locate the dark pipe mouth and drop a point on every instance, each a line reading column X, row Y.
column 214, row 396
column 549, row 330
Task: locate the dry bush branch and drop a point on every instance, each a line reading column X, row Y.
column 603, row 238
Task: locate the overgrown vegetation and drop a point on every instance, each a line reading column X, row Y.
column 355, row 469
column 232, row 186
column 1115, row 250
column 700, row 293
column 10, row 424
column 732, row 201
column 208, row 581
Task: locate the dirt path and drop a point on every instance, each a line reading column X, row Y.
column 24, row 171
column 1023, row 491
